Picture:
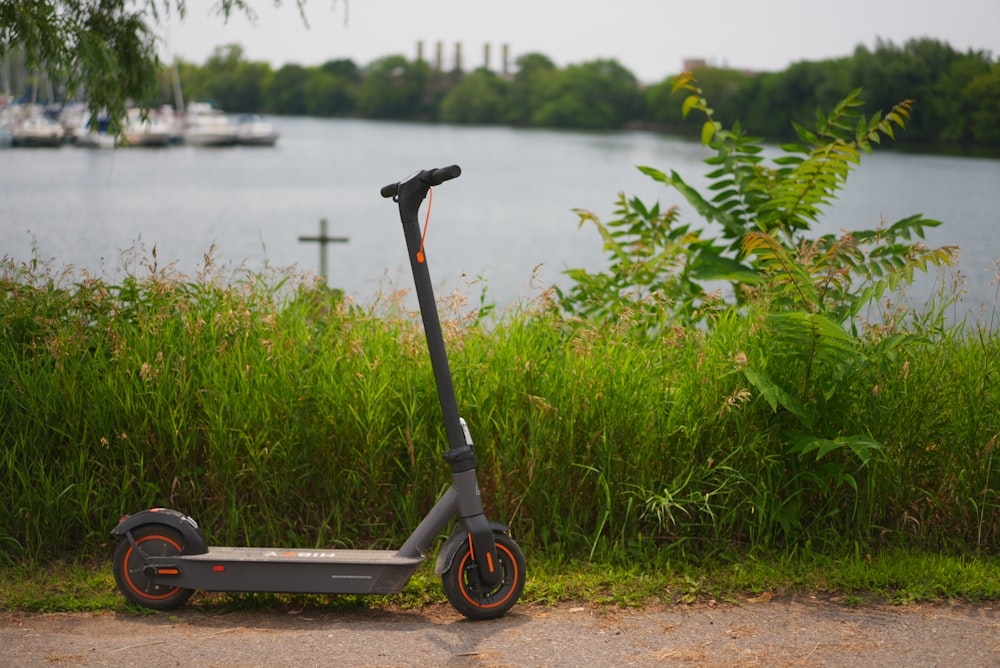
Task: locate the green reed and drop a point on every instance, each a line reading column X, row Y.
column 275, row 412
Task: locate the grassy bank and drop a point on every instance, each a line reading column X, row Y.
column 893, row 576
column 274, row 412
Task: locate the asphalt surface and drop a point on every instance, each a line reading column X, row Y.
column 786, row 631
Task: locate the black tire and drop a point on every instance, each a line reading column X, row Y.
column 155, row 540
column 461, row 580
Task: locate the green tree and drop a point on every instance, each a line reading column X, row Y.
column 727, row 88
column 235, row 85
column 393, row 87
column 950, row 107
column 893, row 72
column 661, row 108
column 192, row 78
column 597, row 94
column 528, row 86
column 286, row 91
column 343, row 68
column 984, row 90
column 437, row 85
column 479, row 97
column 332, row 90
column 770, row 98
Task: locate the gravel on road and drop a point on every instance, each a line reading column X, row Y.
column 778, row 631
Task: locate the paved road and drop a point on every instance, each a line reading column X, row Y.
column 801, row 631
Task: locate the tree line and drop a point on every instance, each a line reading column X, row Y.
column 956, row 94
column 105, row 53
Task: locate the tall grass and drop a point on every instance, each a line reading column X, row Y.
column 275, row 412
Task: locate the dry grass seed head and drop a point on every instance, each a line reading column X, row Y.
column 739, row 396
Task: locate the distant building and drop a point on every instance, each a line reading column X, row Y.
column 697, row 63
column 438, row 63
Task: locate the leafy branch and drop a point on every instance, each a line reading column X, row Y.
column 782, row 198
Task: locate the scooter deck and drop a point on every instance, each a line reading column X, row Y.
column 296, row 555
column 284, row 570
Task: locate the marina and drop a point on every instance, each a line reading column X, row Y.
column 41, row 126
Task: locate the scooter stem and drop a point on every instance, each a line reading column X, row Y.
column 409, row 195
column 461, row 455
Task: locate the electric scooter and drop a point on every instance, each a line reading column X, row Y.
column 162, row 558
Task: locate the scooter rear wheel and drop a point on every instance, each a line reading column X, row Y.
column 465, row 592
column 128, row 565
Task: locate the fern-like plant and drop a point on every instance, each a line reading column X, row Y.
column 809, row 290
column 652, row 253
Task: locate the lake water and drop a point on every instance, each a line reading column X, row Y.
column 509, row 214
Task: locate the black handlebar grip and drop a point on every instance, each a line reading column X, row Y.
column 442, row 174
column 390, row 190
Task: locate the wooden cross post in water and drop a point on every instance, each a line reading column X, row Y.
column 323, row 239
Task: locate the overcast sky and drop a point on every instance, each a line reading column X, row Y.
column 651, row 38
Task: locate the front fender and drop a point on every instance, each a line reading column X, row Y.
column 446, row 555
column 194, row 542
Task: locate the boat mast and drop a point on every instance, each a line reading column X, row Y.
column 178, row 96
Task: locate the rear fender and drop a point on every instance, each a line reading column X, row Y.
column 194, row 542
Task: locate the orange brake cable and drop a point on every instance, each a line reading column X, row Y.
column 427, row 222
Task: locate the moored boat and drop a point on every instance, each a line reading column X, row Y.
column 153, row 130
column 207, row 126
column 88, row 137
column 38, row 131
column 254, row 130
column 92, row 133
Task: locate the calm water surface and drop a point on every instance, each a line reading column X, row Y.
column 510, row 213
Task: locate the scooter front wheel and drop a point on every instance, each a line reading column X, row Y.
column 464, row 590
column 129, row 566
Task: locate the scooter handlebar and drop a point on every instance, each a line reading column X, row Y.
column 442, row 174
column 429, row 177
